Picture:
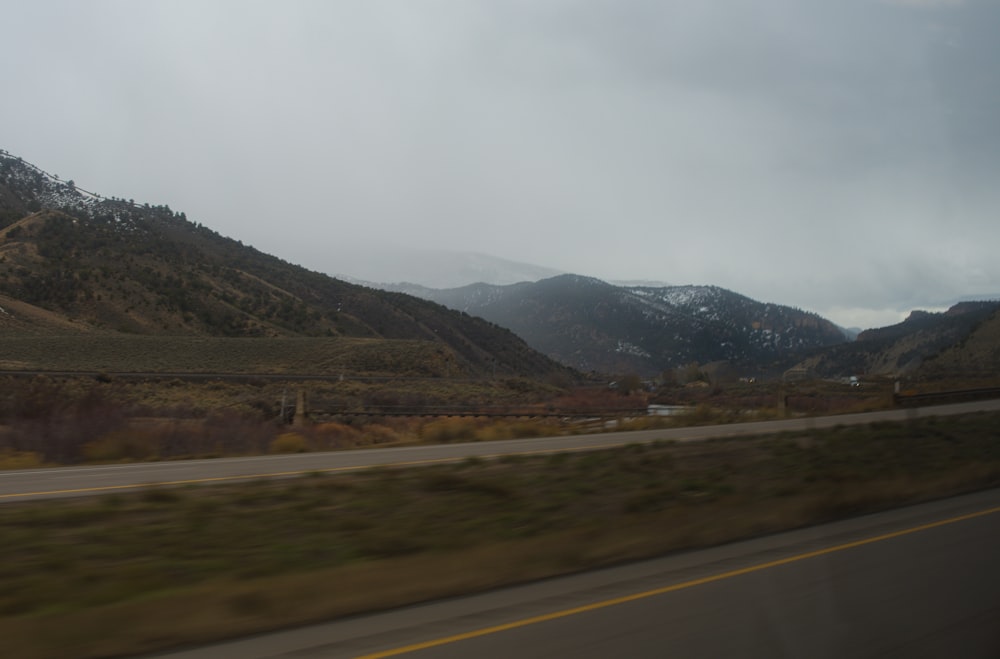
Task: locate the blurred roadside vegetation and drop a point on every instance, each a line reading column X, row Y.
column 72, row 420
column 64, row 420
column 133, row 572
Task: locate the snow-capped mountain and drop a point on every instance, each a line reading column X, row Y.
column 592, row 325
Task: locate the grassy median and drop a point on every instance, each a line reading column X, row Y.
column 126, row 573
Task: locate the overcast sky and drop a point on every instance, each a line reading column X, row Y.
column 842, row 157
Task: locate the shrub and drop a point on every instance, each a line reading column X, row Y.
column 450, row 429
column 336, row 435
column 120, row 445
column 494, row 432
column 378, row 434
column 537, row 428
column 289, row 442
column 231, row 433
column 703, row 415
column 10, row 459
column 517, row 430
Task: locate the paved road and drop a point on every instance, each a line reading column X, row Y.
column 915, row 582
column 79, row 481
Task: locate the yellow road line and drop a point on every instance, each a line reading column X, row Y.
column 285, row 474
column 669, row 589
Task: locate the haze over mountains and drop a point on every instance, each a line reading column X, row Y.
column 433, row 268
column 71, row 260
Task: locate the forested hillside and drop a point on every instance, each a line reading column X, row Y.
column 71, row 260
column 904, row 348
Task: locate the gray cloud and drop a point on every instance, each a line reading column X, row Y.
column 835, row 156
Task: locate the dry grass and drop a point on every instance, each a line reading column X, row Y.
column 117, row 353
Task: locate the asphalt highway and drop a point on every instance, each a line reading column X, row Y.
column 27, row 484
column 914, row 582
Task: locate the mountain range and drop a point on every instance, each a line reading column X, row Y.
column 592, row 325
column 75, row 261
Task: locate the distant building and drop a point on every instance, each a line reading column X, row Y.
column 666, row 410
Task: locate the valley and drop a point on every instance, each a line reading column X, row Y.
column 312, row 432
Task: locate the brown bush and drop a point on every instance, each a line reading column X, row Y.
column 335, row 435
column 19, row 459
column 379, row 434
column 289, row 442
column 450, row 429
column 55, row 420
column 231, row 433
column 120, row 446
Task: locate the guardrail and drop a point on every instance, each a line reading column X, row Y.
column 472, row 412
column 944, row 397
